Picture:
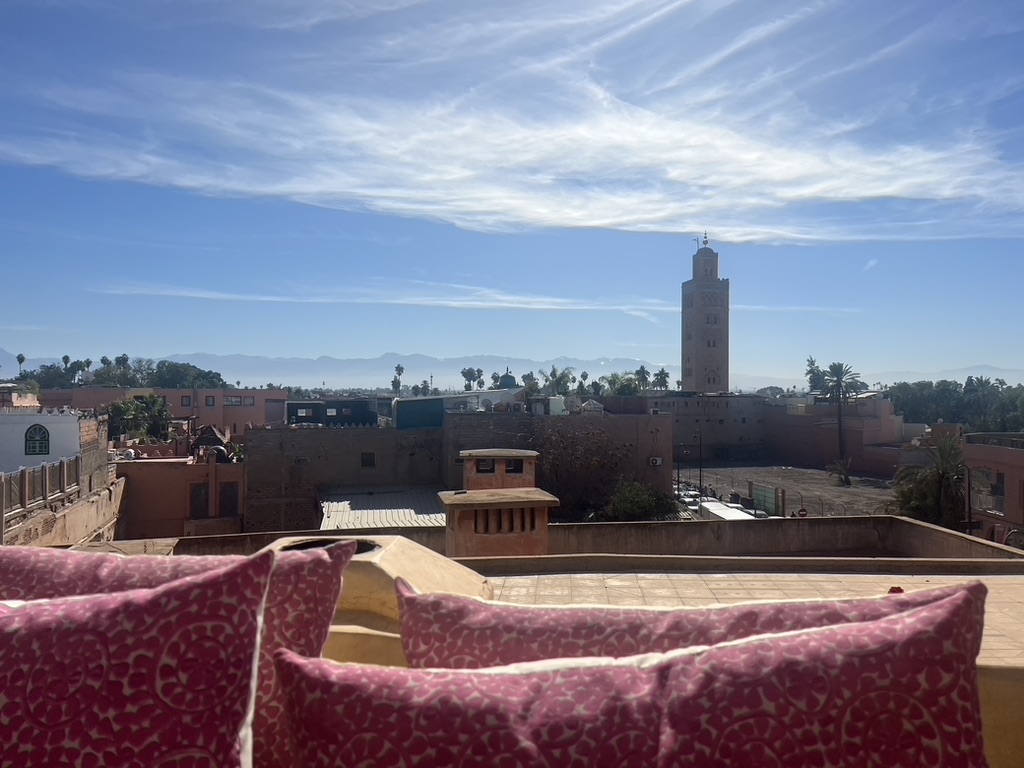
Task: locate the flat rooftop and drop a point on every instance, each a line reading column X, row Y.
column 1002, row 643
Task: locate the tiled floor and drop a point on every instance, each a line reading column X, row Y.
column 1003, row 641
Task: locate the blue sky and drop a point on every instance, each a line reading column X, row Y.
column 285, row 178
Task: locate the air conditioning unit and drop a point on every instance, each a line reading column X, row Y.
column 655, row 461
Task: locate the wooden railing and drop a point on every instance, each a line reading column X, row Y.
column 28, row 490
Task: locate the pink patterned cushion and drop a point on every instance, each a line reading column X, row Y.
column 897, row 691
column 459, row 632
column 304, row 589
column 157, row 677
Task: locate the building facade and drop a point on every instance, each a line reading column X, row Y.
column 31, row 437
column 705, row 326
column 995, row 480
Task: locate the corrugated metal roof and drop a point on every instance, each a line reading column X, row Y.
column 353, row 508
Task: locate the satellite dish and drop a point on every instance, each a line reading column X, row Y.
column 915, row 442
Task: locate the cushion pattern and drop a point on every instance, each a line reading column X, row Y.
column 468, row 633
column 896, row 691
column 303, row 595
column 161, row 677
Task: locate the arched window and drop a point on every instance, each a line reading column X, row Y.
column 37, row 441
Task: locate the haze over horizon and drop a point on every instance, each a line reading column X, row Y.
column 350, row 178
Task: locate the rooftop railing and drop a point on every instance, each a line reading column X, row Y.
column 1000, row 439
column 27, row 490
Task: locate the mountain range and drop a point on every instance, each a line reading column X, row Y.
column 376, row 372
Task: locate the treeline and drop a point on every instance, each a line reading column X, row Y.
column 981, row 403
column 122, row 371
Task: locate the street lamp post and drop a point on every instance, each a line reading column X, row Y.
column 700, row 461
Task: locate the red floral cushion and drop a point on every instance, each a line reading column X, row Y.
column 467, row 633
column 897, row 691
column 304, row 589
column 158, row 677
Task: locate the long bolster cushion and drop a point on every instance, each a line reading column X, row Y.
column 897, row 691
column 460, row 632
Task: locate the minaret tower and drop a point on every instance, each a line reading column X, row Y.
column 705, row 326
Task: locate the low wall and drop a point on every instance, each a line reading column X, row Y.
column 857, row 536
column 94, row 516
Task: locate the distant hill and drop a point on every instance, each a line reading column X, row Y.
column 370, row 372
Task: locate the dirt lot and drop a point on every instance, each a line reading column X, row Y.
column 812, row 489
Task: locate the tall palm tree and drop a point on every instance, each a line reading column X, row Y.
column 661, row 379
column 643, row 377
column 581, row 386
column 21, row 361
column 840, row 380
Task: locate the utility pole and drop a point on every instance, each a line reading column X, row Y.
column 700, row 461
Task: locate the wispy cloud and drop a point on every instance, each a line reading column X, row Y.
column 768, row 308
column 871, row 264
column 412, row 294
column 592, row 115
column 458, row 296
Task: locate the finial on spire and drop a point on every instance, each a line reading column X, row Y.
column 705, row 238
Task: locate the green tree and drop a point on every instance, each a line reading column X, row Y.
column 495, row 379
column 396, row 382
column 815, row 376
column 840, row 381
column 21, row 361
column 142, row 370
column 979, row 396
column 934, row 492
column 579, row 463
column 771, row 392
column 141, row 416
column 661, row 379
column 168, row 374
column 635, row 501
column 531, row 383
column 643, row 377
column 623, row 384
column 50, row 376
column 581, row 385
column 472, row 376
column 105, row 361
column 558, row 382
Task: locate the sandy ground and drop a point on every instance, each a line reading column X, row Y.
column 812, row 489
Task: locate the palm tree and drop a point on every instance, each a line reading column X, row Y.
column 979, row 392
column 661, row 379
column 21, row 361
column 643, row 377
column 557, row 382
column 620, row 383
column 581, row 385
column 934, row 492
column 840, row 380
column 66, row 360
